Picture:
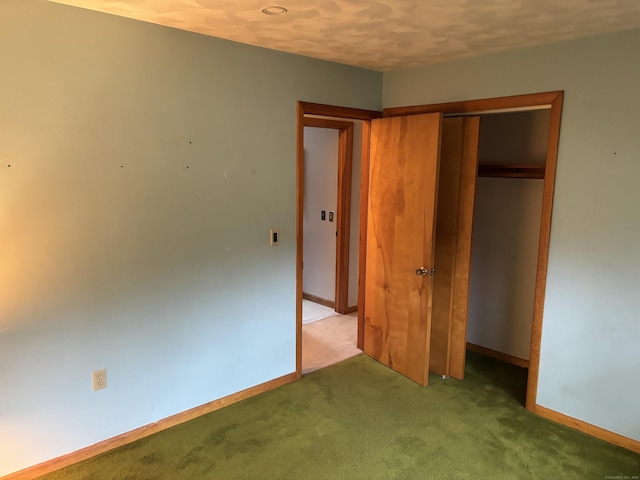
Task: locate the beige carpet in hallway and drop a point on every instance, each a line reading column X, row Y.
column 329, row 341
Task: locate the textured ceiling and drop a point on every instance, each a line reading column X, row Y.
column 384, row 34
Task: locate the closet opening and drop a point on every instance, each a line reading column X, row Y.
column 512, row 153
column 454, row 332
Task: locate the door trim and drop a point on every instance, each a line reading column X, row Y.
column 308, row 108
column 552, row 100
column 343, row 210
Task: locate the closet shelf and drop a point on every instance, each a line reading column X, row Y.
column 511, row 171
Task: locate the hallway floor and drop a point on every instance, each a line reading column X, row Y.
column 329, row 341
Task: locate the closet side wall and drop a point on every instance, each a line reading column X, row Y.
column 503, row 264
column 505, row 234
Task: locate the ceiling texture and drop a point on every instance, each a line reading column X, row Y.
column 384, row 34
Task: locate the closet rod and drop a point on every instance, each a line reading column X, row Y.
column 512, row 171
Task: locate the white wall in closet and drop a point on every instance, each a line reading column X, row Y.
column 506, row 228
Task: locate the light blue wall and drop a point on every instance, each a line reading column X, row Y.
column 590, row 357
column 115, row 255
column 147, row 166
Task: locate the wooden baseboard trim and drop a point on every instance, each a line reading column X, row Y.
column 503, row 357
column 589, row 429
column 352, row 309
column 128, row 437
column 321, row 301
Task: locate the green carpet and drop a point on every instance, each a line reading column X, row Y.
column 360, row 420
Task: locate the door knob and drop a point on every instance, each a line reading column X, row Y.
column 424, row 272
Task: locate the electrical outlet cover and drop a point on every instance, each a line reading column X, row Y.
column 100, row 379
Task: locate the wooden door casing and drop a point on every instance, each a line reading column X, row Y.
column 308, row 108
column 554, row 101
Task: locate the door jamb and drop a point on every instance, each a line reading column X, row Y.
column 546, row 99
column 309, row 108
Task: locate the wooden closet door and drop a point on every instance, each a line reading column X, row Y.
column 456, row 194
column 403, row 185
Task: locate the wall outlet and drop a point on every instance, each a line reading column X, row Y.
column 100, row 379
column 274, row 237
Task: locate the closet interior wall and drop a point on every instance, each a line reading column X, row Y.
column 506, row 228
